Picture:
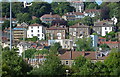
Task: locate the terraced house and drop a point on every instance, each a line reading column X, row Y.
column 78, row 30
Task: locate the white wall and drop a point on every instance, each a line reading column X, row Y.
column 35, row 32
column 108, row 29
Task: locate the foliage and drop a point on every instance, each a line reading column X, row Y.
column 54, row 48
column 91, row 5
column 84, row 44
column 36, row 20
column 13, row 65
column 70, row 23
column 6, row 24
column 113, row 62
column 105, row 12
column 39, row 8
column 59, row 9
column 43, row 51
column 51, row 66
column 111, row 36
column 104, row 47
column 24, row 17
column 29, row 53
column 78, row 63
column 87, row 21
column 34, row 39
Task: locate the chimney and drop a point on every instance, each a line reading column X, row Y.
column 70, row 55
column 83, row 53
column 50, row 13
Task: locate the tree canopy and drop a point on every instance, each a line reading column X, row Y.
column 84, row 44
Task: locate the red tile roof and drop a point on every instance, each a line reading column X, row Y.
column 109, row 42
column 55, row 28
column 92, row 10
column 78, row 25
column 68, row 55
column 35, row 24
column 50, row 16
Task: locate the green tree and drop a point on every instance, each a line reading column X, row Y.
column 29, row 53
column 105, row 12
column 6, row 24
column 13, row 65
column 36, row 20
column 84, row 44
column 51, row 66
column 43, row 51
column 104, row 47
column 55, row 47
column 78, row 63
column 24, row 17
column 39, row 8
column 87, row 21
column 58, row 8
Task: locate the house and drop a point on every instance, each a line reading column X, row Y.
column 48, row 18
column 68, row 57
column 79, row 15
column 19, row 32
column 56, row 32
column 14, row 21
column 65, row 43
column 78, row 31
column 59, row 23
column 36, row 30
column 111, row 44
column 92, row 12
column 103, row 27
column 70, row 16
column 78, row 5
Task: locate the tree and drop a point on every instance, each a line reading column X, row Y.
column 58, row 8
column 84, row 44
column 6, row 24
column 29, row 53
column 87, row 20
column 43, row 51
column 105, row 12
column 104, row 47
column 78, row 63
column 51, row 66
column 36, row 20
column 113, row 62
column 92, row 5
column 24, row 17
column 55, row 47
column 13, row 65
column 39, row 8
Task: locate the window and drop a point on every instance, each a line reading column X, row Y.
column 31, row 27
column 105, row 28
column 66, row 62
column 38, row 26
column 38, row 30
column 31, row 34
column 109, row 28
column 31, row 30
column 38, row 34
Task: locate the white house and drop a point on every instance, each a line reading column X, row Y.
column 103, row 27
column 65, row 43
column 36, row 30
